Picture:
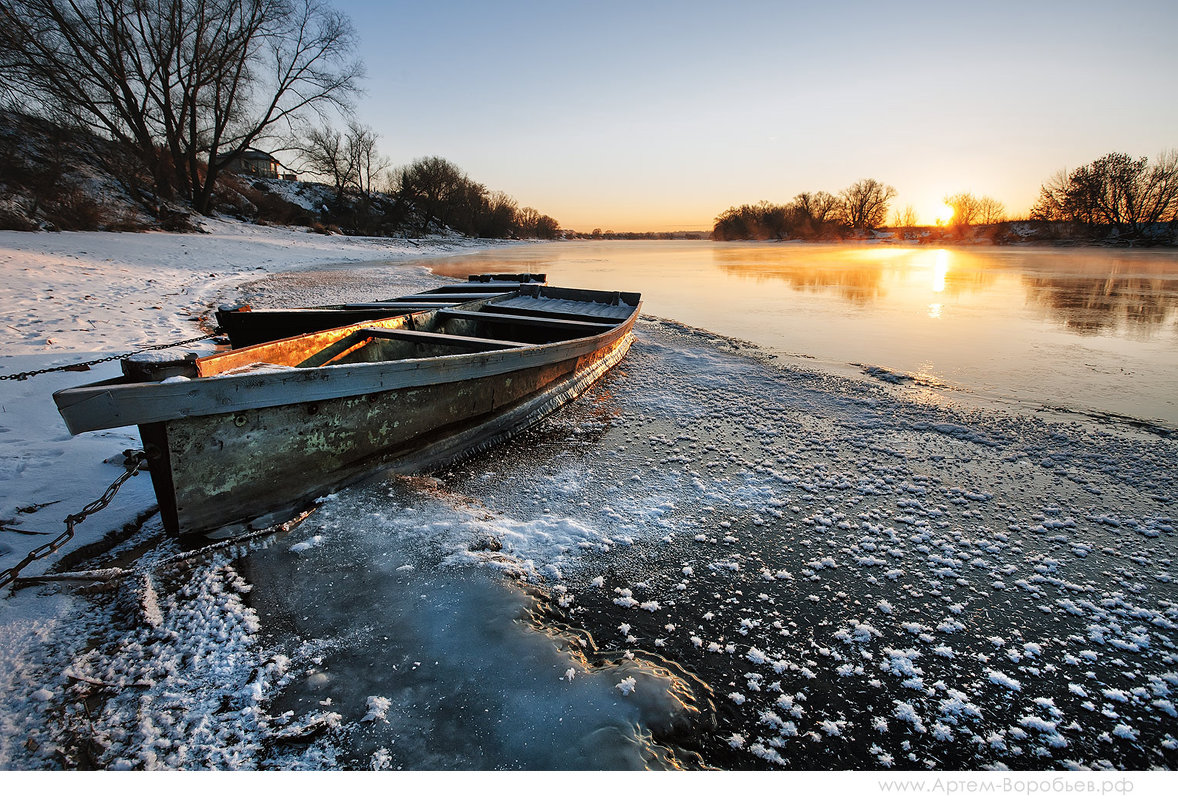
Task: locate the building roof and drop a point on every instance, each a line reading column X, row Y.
column 252, row 154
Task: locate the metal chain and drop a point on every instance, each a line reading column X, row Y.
column 87, row 365
column 136, row 461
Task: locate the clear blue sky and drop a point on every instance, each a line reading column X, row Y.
column 660, row 115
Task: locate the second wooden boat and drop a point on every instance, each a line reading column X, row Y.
column 246, row 326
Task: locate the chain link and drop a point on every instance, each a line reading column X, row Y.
column 87, row 365
column 136, row 461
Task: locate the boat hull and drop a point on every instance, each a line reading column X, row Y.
column 249, row 437
column 257, row 467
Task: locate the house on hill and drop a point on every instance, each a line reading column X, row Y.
column 259, row 163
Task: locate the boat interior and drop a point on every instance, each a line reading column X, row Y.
column 533, row 314
column 246, row 326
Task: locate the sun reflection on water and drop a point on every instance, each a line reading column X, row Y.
column 940, row 271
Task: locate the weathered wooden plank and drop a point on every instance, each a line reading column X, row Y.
column 291, row 350
column 398, row 304
column 475, row 286
column 456, row 297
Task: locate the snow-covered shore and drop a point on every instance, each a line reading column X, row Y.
column 77, row 296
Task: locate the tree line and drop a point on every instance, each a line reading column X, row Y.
column 446, row 196
column 1115, row 196
column 811, row 215
column 184, row 88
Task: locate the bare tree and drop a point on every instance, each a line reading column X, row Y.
column 432, row 185
column 990, row 211
column 185, row 85
column 865, row 203
column 500, row 217
column 325, row 153
column 547, row 227
column 1053, row 202
column 905, row 219
column 818, row 207
column 368, row 165
column 350, row 159
column 965, row 209
column 528, row 220
column 969, row 210
column 1116, row 189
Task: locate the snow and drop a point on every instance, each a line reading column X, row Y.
column 75, row 296
column 378, row 709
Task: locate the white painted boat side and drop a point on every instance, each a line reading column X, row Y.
column 115, row 404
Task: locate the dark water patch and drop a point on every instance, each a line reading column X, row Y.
column 403, row 654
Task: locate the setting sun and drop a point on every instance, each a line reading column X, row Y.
column 944, row 214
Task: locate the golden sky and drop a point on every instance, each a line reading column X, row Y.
column 660, row 115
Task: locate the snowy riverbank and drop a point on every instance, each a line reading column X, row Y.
column 77, row 296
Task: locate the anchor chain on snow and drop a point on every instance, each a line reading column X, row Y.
column 136, row 461
column 87, row 365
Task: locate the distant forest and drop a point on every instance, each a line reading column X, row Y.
column 1115, row 199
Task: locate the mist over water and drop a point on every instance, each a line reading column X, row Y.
column 1094, row 330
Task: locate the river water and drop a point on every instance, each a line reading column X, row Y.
column 1094, row 330
column 820, row 517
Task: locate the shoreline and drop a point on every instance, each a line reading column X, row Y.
column 78, row 295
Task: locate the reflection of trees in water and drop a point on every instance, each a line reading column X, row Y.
column 857, row 284
column 1093, row 304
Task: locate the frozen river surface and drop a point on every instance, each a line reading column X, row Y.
column 712, row 559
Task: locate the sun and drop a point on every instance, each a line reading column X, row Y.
column 944, row 214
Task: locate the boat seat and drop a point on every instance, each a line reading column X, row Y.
column 435, row 338
column 586, row 328
column 456, row 297
column 583, row 312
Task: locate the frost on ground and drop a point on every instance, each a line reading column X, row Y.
column 765, row 567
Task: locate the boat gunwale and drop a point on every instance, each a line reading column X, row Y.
column 101, row 405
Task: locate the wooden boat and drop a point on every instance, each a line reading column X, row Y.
column 251, row 435
column 245, row 326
